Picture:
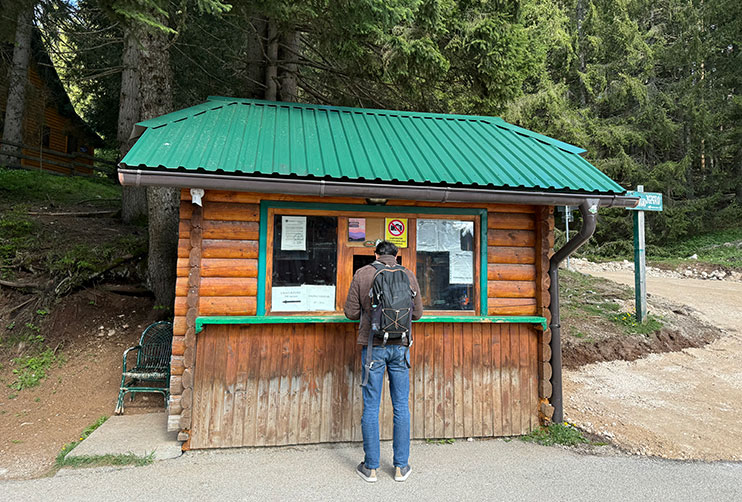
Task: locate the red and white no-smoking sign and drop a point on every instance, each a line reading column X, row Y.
column 396, row 231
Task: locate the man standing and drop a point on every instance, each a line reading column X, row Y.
column 392, row 357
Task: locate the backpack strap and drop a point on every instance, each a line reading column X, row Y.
column 370, row 343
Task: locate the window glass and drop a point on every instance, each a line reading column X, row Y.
column 304, row 263
column 445, row 264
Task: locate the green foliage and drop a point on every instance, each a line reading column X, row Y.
column 19, row 186
column 632, row 325
column 565, row 434
column 32, row 369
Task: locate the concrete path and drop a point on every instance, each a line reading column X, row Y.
column 480, row 470
column 143, row 435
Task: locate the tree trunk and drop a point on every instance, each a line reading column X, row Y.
column 581, row 50
column 133, row 199
column 271, row 70
column 162, row 202
column 290, row 50
column 17, row 81
column 255, row 78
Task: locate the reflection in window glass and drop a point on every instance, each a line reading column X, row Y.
column 445, row 264
column 304, row 263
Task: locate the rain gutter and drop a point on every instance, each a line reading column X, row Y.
column 589, row 212
column 332, row 188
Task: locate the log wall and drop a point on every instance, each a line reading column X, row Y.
column 220, row 278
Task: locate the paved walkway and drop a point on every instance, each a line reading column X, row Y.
column 479, row 470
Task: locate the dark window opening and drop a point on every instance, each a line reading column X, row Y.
column 46, row 136
column 71, row 144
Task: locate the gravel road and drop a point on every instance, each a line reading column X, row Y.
column 480, row 470
column 683, row 405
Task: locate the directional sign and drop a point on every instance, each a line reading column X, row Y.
column 648, row 201
column 396, row 231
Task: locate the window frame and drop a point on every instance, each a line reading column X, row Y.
column 270, row 208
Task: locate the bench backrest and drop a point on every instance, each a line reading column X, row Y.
column 156, row 346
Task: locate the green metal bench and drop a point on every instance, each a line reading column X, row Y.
column 151, row 373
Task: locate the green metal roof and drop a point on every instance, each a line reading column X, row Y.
column 241, row 136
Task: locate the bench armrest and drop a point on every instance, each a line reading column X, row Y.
column 126, row 353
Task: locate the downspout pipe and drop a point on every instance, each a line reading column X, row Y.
column 589, row 212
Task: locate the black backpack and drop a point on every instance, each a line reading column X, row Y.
column 392, row 301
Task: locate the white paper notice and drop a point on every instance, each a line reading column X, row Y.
column 461, row 268
column 293, row 233
column 288, row 299
column 320, row 297
column 427, row 235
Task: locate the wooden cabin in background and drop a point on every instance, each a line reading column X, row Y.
column 55, row 138
column 281, row 203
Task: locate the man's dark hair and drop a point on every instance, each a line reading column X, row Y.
column 386, row 247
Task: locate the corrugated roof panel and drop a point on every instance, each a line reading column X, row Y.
column 271, row 138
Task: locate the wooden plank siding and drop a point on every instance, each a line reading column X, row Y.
column 41, row 110
column 263, row 385
column 467, row 379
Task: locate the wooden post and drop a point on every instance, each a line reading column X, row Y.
column 640, row 279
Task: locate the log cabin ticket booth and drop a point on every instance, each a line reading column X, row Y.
column 281, row 203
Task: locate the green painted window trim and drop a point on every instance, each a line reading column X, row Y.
column 265, row 205
column 332, row 319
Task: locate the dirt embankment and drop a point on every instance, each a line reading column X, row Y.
column 90, row 330
column 683, row 404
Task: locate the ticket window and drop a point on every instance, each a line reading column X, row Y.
column 314, row 258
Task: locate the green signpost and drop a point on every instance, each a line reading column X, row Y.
column 648, row 201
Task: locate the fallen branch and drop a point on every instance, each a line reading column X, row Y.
column 19, row 285
column 76, row 214
column 17, row 307
column 125, row 289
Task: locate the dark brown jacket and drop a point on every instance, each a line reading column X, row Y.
column 358, row 302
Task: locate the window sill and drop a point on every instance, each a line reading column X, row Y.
column 274, row 319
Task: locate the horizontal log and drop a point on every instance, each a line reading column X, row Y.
column 177, row 365
column 238, row 230
column 519, row 238
column 220, row 286
column 511, row 208
column 224, row 196
column 224, row 267
column 511, row 289
column 511, row 272
column 228, row 305
column 511, row 221
column 222, row 211
column 178, row 345
column 180, row 306
column 504, row 254
column 174, row 407
column 184, row 248
column 176, row 386
column 511, row 306
column 223, row 248
column 179, row 325
column 182, row 269
column 173, row 423
column 181, row 286
column 228, row 286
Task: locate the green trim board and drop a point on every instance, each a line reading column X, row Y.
column 265, row 205
column 306, row 319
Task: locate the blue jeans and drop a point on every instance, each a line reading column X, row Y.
column 391, row 358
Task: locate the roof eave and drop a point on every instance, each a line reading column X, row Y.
column 332, row 188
